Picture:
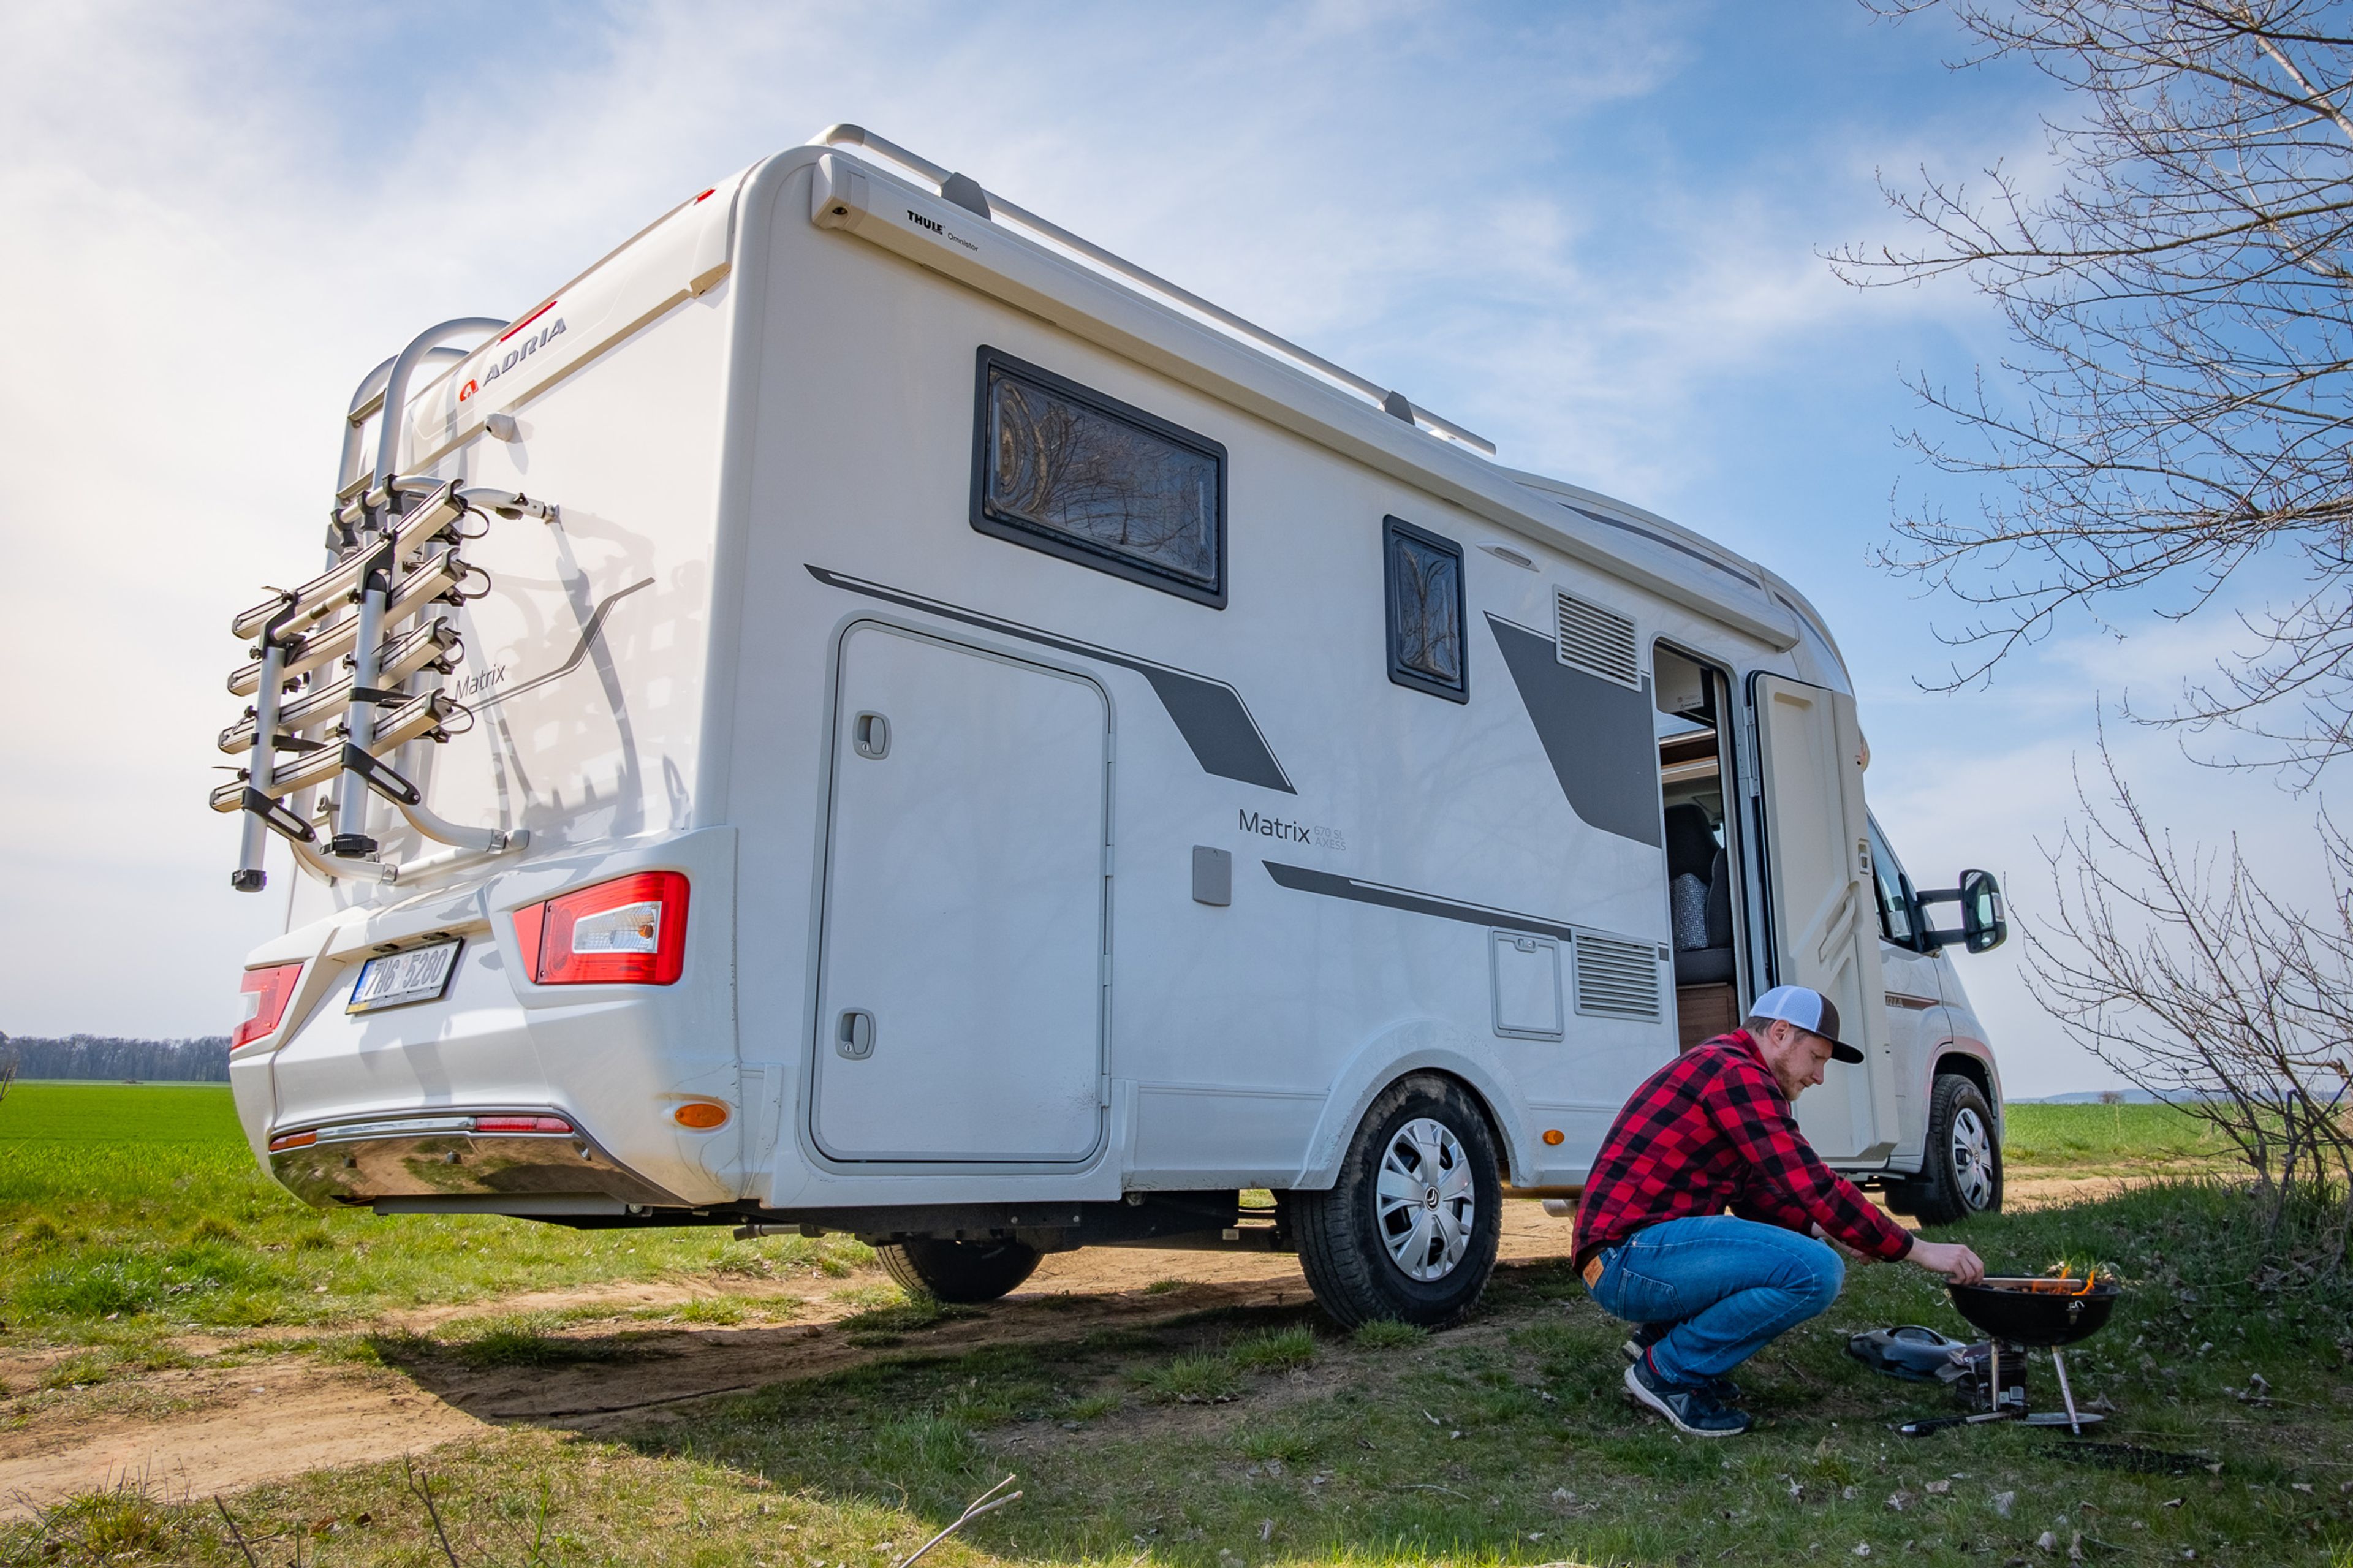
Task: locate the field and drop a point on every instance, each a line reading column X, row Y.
column 674, row 1399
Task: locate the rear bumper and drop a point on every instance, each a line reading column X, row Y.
column 444, row 1155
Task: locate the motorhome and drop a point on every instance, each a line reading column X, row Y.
column 866, row 711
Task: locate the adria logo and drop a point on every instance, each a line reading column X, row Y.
column 522, row 350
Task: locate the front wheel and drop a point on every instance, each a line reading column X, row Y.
column 960, row 1272
column 1408, row 1230
column 1961, row 1174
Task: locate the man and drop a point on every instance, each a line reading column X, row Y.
column 1711, row 1130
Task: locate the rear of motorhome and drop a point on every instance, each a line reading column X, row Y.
column 865, row 711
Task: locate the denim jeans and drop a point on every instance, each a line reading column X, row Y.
column 1729, row 1287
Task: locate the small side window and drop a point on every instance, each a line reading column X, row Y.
column 1895, row 910
column 1076, row 474
column 1424, row 575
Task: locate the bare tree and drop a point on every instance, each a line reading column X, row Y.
column 2182, row 405
column 2182, row 972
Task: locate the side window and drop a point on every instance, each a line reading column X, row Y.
column 1424, row 576
column 1895, row 910
column 1076, row 474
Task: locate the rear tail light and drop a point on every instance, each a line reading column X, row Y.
column 627, row 931
column 265, row 993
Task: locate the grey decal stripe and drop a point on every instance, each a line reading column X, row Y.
column 1303, row 879
column 1597, row 734
column 580, row 649
column 1208, row 713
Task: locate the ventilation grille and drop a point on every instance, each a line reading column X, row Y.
column 1598, row 641
column 1617, row 978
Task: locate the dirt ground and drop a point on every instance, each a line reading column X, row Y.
column 204, row 1429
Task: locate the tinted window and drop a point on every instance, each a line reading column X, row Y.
column 1425, row 611
column 1082, row 476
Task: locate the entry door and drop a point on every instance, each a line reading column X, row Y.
column 1822, row 903
column 960, row 998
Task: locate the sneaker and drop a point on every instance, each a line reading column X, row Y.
column 1687, row 1408
column 1645, row 1335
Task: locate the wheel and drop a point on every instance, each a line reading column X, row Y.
column 1409, row 1229
column 958, row 1270
column 1961, row 1174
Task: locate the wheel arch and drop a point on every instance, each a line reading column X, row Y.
column 1423, row 1046
column 1956, row 1057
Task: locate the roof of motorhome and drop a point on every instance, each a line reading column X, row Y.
column 1033, row 262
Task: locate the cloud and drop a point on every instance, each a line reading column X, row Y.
column 221, row 219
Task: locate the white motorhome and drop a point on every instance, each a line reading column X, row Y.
column 864, row 711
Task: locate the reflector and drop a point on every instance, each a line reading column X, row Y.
column 701, row 1115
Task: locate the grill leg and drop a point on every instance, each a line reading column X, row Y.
column 2059, row 1363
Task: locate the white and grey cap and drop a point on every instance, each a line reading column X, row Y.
column 1810, row 1011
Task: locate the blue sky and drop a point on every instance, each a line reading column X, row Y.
column 1591, row 232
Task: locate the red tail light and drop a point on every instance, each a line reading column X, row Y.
column 627, row 931
column 265, row 994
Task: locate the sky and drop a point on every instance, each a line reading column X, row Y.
column 1594, row 233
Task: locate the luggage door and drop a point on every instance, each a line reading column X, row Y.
column 1822, row 903
column 962, row 959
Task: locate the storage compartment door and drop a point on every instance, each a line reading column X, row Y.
column 1823, row 904
column 960, row 999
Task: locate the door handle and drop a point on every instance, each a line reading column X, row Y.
column 853, row 1034
column 870, row 736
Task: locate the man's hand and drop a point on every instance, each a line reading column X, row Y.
column 1949, row 1259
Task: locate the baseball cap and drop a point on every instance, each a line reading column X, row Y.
column 1810, row 1011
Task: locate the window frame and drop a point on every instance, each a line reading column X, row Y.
column 1394, row 528
column 1045, row 537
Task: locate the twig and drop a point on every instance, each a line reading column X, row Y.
column 234, row 1532
column 425, row 1492
column 972, row 1510
column 1427, row 1486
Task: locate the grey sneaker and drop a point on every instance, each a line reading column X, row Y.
column 1645, row 1335
column 1687, row 1408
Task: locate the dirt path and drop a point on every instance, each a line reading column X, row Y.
column 202, row 1430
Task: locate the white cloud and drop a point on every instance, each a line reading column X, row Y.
column 221, row 219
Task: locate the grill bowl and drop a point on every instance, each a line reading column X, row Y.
column 2013, row 1310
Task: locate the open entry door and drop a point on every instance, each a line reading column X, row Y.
column 1822, row 905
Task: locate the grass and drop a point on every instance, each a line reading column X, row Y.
column 1238, row 1436
column 2108, row 1140
column 1504, row 1442
column 133, row 1211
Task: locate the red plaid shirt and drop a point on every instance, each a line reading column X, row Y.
column 1711, row 1130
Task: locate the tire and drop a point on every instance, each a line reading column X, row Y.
column 959, row 1271
column 1425, row 1260
column 1960, row 1174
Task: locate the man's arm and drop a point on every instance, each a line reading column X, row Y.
column 1752, row 1115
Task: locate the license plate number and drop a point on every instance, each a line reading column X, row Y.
column 397, row 979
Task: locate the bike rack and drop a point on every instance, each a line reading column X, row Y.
column 317, row 741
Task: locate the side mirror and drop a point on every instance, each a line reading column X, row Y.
column 1983, row 926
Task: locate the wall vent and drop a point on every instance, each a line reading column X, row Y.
column 1617, row 978
column 1598, row 641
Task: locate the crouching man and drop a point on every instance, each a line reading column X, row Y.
column 1711, row 1131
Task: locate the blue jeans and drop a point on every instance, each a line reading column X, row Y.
column 1729, row 1287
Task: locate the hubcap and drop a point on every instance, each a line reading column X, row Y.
column 1973, row 1159
column 1427, row 1203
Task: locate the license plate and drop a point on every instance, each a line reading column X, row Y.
column 419, row 974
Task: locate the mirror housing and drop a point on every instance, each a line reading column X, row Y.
column 1983, row 927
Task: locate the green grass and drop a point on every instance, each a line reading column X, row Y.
column 2101, row 1139
column 1506, row 1442
column 131, row 1211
